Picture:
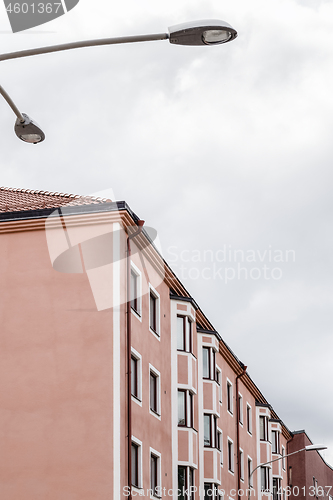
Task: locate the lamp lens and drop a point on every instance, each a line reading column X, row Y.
column 211, row 37
column 30, row 138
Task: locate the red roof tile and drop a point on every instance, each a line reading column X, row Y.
column 16, row 199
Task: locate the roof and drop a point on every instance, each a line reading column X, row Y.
column 17, row 199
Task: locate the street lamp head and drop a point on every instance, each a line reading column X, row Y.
column 28, row 130
column 207, row 32
column 315, row 447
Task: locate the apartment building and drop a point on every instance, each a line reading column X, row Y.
column 114, row 383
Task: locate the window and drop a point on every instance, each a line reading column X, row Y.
column 185, row 483
column 135, row 290
column 240, row 409
column 263, row 426
column 283, row 459
column 135, row 374
column 241, row 459
column 185, row 408
column 136, row 461
column 229, row 397
column 290, row 476
column 211, row 491
column 154, row 311
column 275, row 442
column 218, row 379
column 184, row 334
column 249, row 418
column 208, row 368
column 249, row 472
column 220, row 445
column 135, row 465
column 155, row 475
column 264, row 472
column 230, row 456
column 210, row 431
column 154, row 382
column 134, row 377
column 276, row 488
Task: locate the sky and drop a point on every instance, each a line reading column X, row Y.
column 226, row 151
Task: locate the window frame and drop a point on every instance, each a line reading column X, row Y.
column 188, row 409
column 189, row 478
column 275, row 442
column 138, row 444
column 230, row 398
column 137, row 357
column 187, row 334
column 137, row 307
column 157, row 485
column 231, row 458
column 249, row 418
column 263, row 427
column 155, row 374
column 241, row 456
column 264, row 478
column 283, row 457
column 276, row 489
column 249, row 472
column 240, row 409
column 155, row 327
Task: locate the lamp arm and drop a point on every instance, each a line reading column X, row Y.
column 276, row 459
column 84, row 43
column 12, row 104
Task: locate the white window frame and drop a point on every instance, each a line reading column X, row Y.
column 137, row 272
column 241, row 452
column 135, row 354
column 231, row 410
column 232, row 456
column 249, row 424
column 140, row 473
column 157, row 374
column 283, row 453
column 250, row 478
column 220, row 432
column 153, row 292
column 240, row 407
column 219, row 385
column 159, row 475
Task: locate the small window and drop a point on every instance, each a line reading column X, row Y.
column 263, row 426
column 185, row 408
column 184, row 334
column 264, row 472
column 241, row 458
column 154, row 392
column 135, row 291
column 275, row 442
column 185, row 483
column 276, row 488
column 136, row 375
column 155, row 475
column 206, row 362
column 249, row 418
column 249, row 472
column 219, row 382
column 210, row 491
column 229, row 397
column 240, row 409
column 136, row 461
column 210, row 431
column 154, row 311
column 283, row 452
column 230, row 456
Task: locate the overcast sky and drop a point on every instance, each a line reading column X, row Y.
column 221, row 149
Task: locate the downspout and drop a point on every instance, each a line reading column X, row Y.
column 129, row 343
column 237, row 433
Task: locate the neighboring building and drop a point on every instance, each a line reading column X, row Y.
column 310, row 477
column 196, row 418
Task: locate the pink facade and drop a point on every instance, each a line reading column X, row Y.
column 198, row 420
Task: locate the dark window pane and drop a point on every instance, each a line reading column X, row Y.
column 135, row 465
column 153, row 392
column 134, row 377
column 229, row 397
column 153, row 474
column 188, row 336
column 134, row 291
column 182, row 482
column 152, row 312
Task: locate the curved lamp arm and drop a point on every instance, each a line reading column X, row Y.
column 12, row 104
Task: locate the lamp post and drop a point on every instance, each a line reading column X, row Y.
column 206, row 32
column 310, row 447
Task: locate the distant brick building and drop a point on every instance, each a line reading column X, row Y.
column 70, row 428
column 310, row 477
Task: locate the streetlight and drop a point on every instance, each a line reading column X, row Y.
column 206, row 32
column 310, row 447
